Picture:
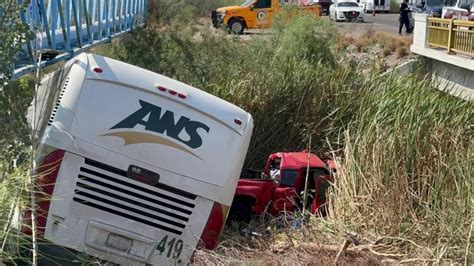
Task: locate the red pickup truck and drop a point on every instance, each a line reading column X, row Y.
column 279, row 188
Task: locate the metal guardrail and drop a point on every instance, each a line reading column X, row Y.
column 64, row 28
column 456, row 36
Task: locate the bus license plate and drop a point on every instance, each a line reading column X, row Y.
column 118, row 242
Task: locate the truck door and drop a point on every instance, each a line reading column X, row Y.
column 284, row 197
column 321, row 182
column 262, row 13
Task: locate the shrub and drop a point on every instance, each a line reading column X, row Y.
column 386, row 52
column 401, row 51
column 343, row 42
column 407, row 167
column 14, row 95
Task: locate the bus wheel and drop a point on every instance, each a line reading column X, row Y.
column 240, row 211
column 236, row 26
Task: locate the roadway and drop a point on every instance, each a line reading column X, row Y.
column 380, row 22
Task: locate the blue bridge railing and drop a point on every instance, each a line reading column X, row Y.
column 64, row 28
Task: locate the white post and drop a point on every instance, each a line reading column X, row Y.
column 420, row 31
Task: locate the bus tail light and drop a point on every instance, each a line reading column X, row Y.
column 47, row 173
column 214, row 227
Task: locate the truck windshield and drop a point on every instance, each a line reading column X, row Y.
column 288, row 178
column 348, row 4
column 449, row 3
column 247, row 3
column 466, row 4
column 263, row 4
column 435, row 3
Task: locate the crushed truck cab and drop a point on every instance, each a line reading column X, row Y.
column 254, row 14
column 281, row 187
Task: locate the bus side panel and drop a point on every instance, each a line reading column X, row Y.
column 65, row 114
column 234, row 174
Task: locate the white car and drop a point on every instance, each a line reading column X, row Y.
column 346, row 11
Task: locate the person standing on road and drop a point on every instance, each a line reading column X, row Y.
column 404, row 20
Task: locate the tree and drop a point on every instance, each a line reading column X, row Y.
column 14, row 95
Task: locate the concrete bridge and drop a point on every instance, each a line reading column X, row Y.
column 448, row 47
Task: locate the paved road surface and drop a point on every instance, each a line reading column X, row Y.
column 381, row 22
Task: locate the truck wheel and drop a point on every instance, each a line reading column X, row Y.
column 240, row 211
column 236, row 26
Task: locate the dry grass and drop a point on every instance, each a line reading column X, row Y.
column 343, row 42
column 386, row 52
column 387, row 43
column 401, row 51
column 416, row 184
column 280, row 245
column 320, row 242
column 361, row 45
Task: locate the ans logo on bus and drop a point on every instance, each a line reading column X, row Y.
column 153, row 119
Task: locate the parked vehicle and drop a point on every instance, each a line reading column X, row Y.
column 463, row 10
column 253, row 14
column 282, row 192
column 430, row 7
column 411, row 21
column 379, row 5
column 325, row 4
column 346, row 10
column 142, row 168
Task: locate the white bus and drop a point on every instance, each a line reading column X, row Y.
column 135, row 167
column 379, row 5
